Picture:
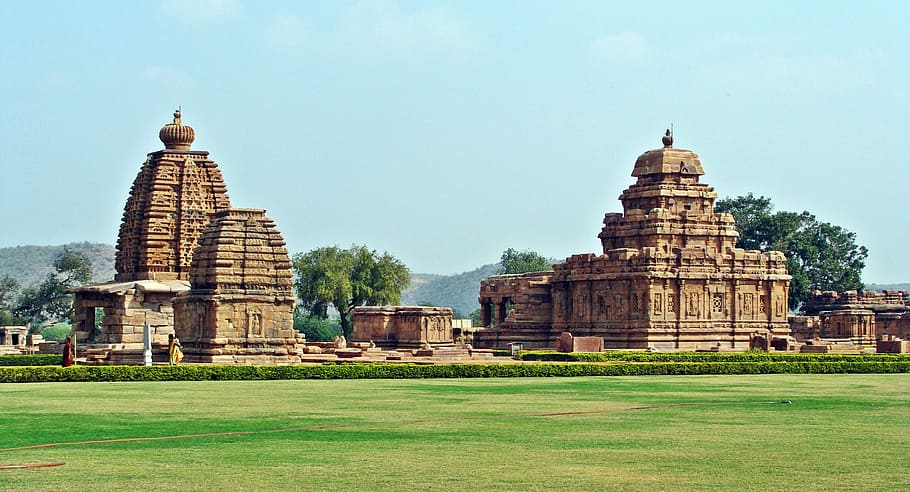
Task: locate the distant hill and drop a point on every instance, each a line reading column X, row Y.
column 905, row 287
column 458, row 291
column 31, row 264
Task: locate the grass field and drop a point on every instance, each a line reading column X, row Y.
column 841, row 432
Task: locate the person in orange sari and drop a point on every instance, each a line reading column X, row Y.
column 68, row 356
column 175, row 355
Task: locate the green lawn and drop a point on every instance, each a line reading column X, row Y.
column 841, row 432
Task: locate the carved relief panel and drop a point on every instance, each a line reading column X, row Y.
column 580, row 302
column 717, row 305
column 693, row 301
column 746, row 311
column 602, row 308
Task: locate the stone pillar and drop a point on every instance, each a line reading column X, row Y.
column 147, row 344
column 485, row 313
column 500, row 312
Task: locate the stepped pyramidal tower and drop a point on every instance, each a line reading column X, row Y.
column 240, row 308
column 670, row 276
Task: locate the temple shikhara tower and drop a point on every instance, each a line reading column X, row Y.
column 240, row 307
column 670, row 276
column 174, row 196
column 172, row 199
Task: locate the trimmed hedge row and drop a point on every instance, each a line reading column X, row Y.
column 413, row 371
column 31, row 360
column 619, row 356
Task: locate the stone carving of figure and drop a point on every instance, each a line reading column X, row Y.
column 693, row 304
column 340, row 342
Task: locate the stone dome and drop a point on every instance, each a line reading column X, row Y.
column 176, row 135
column 668, row 160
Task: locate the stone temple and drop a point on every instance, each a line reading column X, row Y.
column 670, row 276
column 174, row 196
column 240, row 307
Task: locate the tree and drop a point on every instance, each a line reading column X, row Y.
column 514, row 261
column 820, row 255
column 8, row 288
column 316, row 329
column 347, row 278
column 49, row 300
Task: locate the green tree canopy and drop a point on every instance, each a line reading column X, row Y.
column 8, row 288
column 819, row 255
column 347, row 278
column 514, row 261
column 49, row 300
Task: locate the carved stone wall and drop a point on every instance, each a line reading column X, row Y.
column 670, row 276
column 855, row 324
column 240, row 307
column 402, row 326
column 519, row 307
column 861, row 316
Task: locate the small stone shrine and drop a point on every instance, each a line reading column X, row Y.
column 172, row 199
column 861, row 317
column 670, row 276
column 240, row 306
column 403, row 326
column 13, row 339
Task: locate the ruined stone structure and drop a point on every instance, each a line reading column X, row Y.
column 13, row 339
column 670, row 276
column 568, row 343
column 861, row 317
column 403, row 326
column 123, row 308
column 172, row 199
column 519, row 307
column 240, row 307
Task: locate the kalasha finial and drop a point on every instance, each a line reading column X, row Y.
column 176, row 135
column 668, row 139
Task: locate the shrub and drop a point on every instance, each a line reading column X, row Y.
column 415, row 371
column 31, row 360
column 56, row 332
column 622, row 356
column 316, row 329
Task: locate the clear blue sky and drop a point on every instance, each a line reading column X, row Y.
column 446, row 132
